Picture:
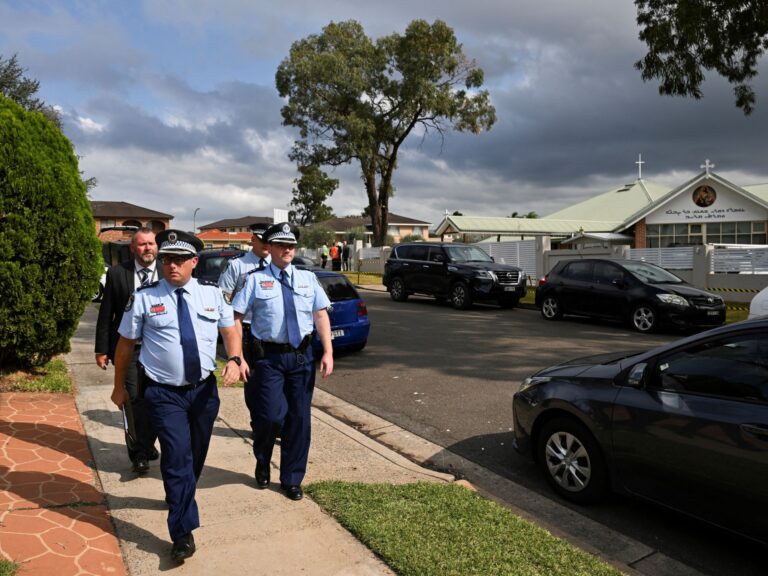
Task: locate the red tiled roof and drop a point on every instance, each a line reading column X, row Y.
column 245, row 221
column 105, row 209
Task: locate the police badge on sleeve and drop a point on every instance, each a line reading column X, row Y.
column 129, row 304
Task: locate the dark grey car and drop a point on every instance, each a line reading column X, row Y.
column 684, row 425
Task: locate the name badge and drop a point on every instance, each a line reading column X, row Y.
column 267, row 284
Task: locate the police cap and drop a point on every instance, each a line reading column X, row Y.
column 178, row 242
column 258, row 229
column 283, row 232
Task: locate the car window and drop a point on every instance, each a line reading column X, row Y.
column 462, row 254
column 338, row 288
column 403, row 252
column 418, row 252
column 607, row 273
column 734, row 367
column 436, row 254
column 578, row 271
column 651, row 274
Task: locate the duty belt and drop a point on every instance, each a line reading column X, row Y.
column 279, row 348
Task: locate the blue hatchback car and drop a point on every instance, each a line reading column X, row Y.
column 349, row 316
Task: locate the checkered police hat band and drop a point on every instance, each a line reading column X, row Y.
column 178, row 246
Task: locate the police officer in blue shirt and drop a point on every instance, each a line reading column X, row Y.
column 286, row 303
column 178, row 320
column 232, row 280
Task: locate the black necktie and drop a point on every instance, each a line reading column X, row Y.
column 144, row 276
column 262, row 264
column 188, row 341
column 291, row 321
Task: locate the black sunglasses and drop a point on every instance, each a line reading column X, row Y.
column 178, row 260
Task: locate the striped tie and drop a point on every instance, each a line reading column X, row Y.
column 144, row 276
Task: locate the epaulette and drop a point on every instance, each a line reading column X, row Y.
column 257, row 269
column 151, row 285
column 207, row 282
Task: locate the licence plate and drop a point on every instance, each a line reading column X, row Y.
column 336, row 334
column 509, row 288
column 713, row 313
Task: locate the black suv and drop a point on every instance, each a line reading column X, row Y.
column 643, row 294
column 462, row 272
column 212, row 261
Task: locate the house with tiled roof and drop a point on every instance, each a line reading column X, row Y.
column 107, row 214
column 230, row 232
column 398, row 226
column 708, row 209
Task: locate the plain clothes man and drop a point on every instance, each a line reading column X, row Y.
column 178, row 320
column 345, row 256
column 122, row 280
column 287, row 305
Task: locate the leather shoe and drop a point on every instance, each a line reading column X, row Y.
column 183, row 548
column 141, row 466
column 292, row 492
column 262, row 475
column 153, row 454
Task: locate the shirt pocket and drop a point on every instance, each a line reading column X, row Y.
column 208, row 321
column 159, row 321
column 267, row 306
column 304, row 301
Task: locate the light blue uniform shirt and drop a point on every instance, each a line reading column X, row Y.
column 232, row 278
column 263, row 297
column 152, row 316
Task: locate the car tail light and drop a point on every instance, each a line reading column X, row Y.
column 361, row 309
column 543, row 280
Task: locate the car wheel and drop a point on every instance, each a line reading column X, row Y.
column 644, row 318
column 550, row 308
column 461, row 299
column 572, row 461
column 509, row 302
column 99, row 294
column 397, row 290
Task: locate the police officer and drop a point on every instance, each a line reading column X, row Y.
column 177, row 320
column 285, row 303
column 232, row 281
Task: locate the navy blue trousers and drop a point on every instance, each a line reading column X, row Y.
column 281, row 402
column 183, row 420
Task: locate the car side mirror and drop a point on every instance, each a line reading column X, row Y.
column 637, row 375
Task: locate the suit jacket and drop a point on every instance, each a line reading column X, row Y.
column 117, row 291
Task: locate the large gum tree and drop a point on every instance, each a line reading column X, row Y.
column 356, row 99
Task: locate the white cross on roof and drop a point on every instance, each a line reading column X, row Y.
column 707, row 166
column 639, row 166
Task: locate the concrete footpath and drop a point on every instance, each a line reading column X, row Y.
column 243, row 530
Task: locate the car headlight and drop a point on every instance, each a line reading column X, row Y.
column 486, row 275
column 673, row 299
column 533, row 381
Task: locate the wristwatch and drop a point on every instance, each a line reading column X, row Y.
column 236, row 359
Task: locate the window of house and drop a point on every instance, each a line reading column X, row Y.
column 106, row 223
column 393, row 230
column 664, row 235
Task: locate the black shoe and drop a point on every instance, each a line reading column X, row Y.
column 292, row 492
column 141, row 465
column 183, row 548
column 262, row 475
column 153, row 454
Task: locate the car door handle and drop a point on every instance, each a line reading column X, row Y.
column 755, row 430
column 425, row 265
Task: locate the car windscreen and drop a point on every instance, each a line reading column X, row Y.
column 651, row 274
column 462, row 254
column 338, row 288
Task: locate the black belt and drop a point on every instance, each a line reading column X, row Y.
column 208, row 380
column 279, row 348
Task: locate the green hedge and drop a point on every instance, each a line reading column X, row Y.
column 50, row 260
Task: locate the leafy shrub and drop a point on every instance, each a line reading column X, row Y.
column 50, row 260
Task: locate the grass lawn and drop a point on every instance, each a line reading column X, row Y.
column 7, row 568
column 427, row 529
column 51, row 377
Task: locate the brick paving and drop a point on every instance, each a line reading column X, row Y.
column 53, row 514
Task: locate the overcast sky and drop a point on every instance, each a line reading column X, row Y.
column 172, row 104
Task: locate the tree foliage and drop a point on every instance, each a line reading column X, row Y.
column 50, row 259
column 314, row 236
column 355, row 99
column 22, row 90
column 687, row 37
column 312, row 190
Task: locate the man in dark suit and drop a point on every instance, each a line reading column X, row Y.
column 122, row 280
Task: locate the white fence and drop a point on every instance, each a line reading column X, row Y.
column 678, row 258
column 521, row 253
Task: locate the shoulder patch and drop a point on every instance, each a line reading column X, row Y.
column 207, row 283
column 151, row 285
column 129, row 304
